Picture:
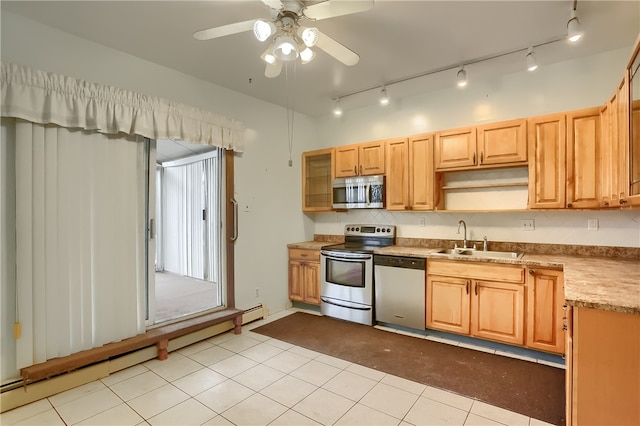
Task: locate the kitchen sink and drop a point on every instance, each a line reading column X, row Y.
column 482, row 254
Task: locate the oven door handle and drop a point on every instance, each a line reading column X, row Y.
column 346, row 255
column 360, row 308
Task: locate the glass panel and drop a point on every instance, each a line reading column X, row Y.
column 318, row 181
column 347, row 273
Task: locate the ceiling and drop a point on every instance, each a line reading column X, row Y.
column 396, row 40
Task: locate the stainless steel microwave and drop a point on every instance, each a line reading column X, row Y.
column 363, row 192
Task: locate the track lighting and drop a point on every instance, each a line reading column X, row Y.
column 384, row 98
column 337, row 111
column 574, row 30
column 462, row 78
column 531, row 60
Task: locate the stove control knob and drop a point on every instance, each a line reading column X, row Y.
column 377, row 229
column 358, row 229
column 388, row 229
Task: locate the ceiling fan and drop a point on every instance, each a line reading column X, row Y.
column 290, row 39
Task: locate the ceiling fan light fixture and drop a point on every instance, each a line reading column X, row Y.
column 286, row 48
column 532, row 65
column 263, row 29
column 268, row 57
column 574, row 29
column 384, row 97
column 310, row 36
column 307, row 55
column 461, row 78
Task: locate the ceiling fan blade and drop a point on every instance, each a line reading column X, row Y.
column 331, row 8
column 273, row 70
column 273, row 4
column 224, row 30
column 337, row 50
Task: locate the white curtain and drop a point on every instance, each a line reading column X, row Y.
column 43, row 97
column 80, row 222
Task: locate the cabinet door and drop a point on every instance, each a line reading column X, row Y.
column 583, row 165
column 497, row 311
column 545, row 300
column 547, row 157
column 633, row 105
column 455, row 148
column 371, row 158
column 346, row 161
column 421, row 174
column 317, row 176
column 448, row 304
column 397, row 183
column 502, row 143
column 296, row 281
column 311, row 274
column 604, row 156
column 622, row 124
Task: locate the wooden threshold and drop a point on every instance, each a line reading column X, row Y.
column 158, row 336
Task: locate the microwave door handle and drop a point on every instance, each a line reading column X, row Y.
column 368, row 193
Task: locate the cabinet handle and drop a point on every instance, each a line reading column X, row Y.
column 564, row 328
column 467, row 287
column 360, row 168
column 481, row 157
column 355, row 170
column 569, row 205
column 606, row 204
column 475, row 288
column 623, row 201
column 474, row 158
column 532, row 272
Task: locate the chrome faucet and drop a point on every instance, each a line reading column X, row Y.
column 464, row 242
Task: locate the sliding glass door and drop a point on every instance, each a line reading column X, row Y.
column 188, row 235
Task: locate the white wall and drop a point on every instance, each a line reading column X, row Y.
column 564, row 86
column 264, row 182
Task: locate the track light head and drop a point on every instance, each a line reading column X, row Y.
column 337, row 111
column 574, row 29
column 532, row 65
column 461, row 78
column 384, row 98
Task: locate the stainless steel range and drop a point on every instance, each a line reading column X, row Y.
column 346, row 272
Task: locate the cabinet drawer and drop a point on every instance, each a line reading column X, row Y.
column 304, row 254
column 478, row 271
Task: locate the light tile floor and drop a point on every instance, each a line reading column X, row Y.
column 252, row 379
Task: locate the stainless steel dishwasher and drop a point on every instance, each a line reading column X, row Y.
column 399, row 287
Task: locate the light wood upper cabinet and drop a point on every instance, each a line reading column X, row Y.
column 363, row 159
column 547, row 161
column 503, row 143
column 421, row 173
column 545, row 300
column 491, row 145
column 633, row 106
column 480, row 299
column 455, row 148
column 410, row 176
column 317, row 177
column 397, row 180
column 583, row 162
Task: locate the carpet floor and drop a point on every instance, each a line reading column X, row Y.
column 534, row 390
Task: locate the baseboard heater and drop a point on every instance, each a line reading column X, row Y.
column 253, row 314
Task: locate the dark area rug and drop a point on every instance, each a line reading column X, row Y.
column 531, row 389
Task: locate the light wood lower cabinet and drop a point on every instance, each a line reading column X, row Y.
column 603, row 368
column 545, row 301
column 482, row 300
column 304, row 276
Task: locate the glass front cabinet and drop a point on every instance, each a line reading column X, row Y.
column 317, row 178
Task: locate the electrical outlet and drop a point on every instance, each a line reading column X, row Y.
column 257, row 292
column 421, row 221
column 592, row 224
column 527, row 225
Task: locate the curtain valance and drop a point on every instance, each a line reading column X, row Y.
column 44, row 97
